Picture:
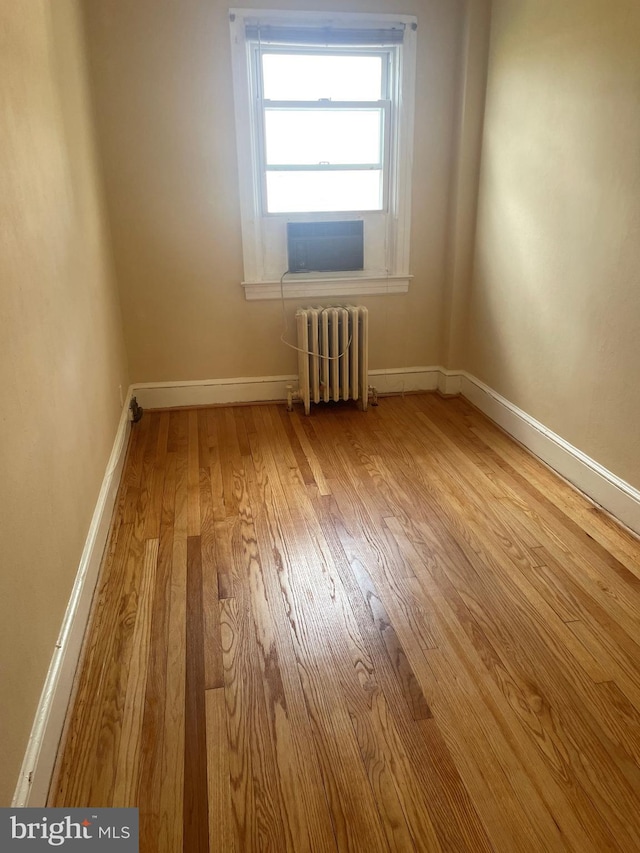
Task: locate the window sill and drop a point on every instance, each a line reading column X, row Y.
column 307, row 287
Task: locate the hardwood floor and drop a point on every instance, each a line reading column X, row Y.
column 383, row 631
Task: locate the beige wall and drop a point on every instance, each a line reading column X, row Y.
column 165, row 116
column 464, row 186
column 555, row 308
column 62, row 355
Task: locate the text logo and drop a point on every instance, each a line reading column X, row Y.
column 104, row 830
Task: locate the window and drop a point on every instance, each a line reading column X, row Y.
column 324, row 120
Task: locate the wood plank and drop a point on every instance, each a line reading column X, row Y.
column 227, row 569
column 213, row 675
column 128, row 765
column 137, row 441
column 256, row 813
column 193, row 477
column 307, row 448
column 230, row 459
column 306, row 474
column 221, row 834
column 145, row 482
column 179, row 431
column 167, row 832
column 302, row 801
column 152, row 748
column 196, row 794
column 204, row 444
column 154, row 509
column 241, row 432
column 410, row 686
column 215, row 468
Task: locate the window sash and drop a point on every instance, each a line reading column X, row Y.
column 383, row 165
column 329, row 106
column 315, row 193
column 386, row 55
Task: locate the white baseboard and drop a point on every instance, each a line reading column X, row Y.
column 206, row 392
column 404, row 379
column 39, row 761
column 449, row 382
column 167, row 395
column 616, row 496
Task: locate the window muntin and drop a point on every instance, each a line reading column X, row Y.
column 327, row 131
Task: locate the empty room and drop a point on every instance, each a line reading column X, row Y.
column 320, row 500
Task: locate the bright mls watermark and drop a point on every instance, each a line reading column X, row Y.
column 103, row 830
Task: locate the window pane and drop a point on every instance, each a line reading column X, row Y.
column 309, row 77
column 336, row 137
column 306, row 192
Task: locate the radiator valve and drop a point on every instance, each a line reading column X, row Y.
column 135, row 411
column 291, row 396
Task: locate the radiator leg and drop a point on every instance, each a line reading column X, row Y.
column 374, row 395
column 289, row 398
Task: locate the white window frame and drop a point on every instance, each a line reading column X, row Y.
column 264, row 234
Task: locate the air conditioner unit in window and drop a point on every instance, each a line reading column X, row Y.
column 325, row 246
